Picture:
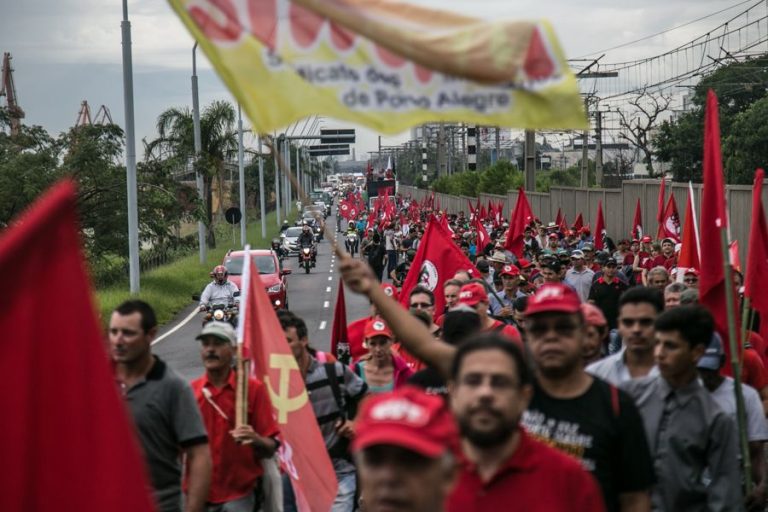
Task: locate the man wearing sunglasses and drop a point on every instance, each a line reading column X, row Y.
column 638, row 309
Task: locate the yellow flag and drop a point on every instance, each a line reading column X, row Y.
column 385, row 65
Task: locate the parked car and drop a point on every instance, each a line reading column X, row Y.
column 270, row 272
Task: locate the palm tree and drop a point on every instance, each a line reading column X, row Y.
column 218, row 139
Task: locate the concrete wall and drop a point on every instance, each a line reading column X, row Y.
column 618, row 205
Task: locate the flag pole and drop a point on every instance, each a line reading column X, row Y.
column 242, row 365
column 735, row 364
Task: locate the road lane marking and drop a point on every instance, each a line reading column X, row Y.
column 322, row 325
column 328, row 290
column 179, row 326
column 326, row 304
column 330, row 278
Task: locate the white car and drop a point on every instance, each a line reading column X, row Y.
column 290, row 238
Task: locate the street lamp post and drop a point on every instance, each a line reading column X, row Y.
column 198, row 148
column 241, row 170
column 130, row 154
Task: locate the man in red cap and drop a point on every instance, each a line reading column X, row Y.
column 355, row 330
column 500, row 304
column 404, row 451
column 474, row 295
column 580, row 415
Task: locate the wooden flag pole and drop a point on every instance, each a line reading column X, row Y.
column 241, row 391
column 736, row 365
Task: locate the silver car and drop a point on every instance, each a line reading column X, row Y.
column 290, row 238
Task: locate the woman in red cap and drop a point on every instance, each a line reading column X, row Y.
column 596, row 333
column 380, row 368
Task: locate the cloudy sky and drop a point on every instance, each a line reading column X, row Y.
column 66, row 51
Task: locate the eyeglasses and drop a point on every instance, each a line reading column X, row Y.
column 421, row 305
column 644, row 322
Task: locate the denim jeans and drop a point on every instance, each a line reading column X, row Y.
column 345, row 498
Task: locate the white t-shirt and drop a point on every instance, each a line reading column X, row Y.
column 757, row 426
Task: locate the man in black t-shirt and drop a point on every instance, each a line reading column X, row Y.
column 581, row 415
column 606, row 291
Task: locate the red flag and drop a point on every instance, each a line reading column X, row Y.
column 66, row 438
column 483, row 239
column 521, row 218
column 670, row 225
column 637, row 223
column 757, row 255
column 660, row 208
column 303, row 455
column 713, row 219
column 733, row 255
column 437, row 260
column 339, row 336
column 563, row 225
column 600, row 233
column 578, row 223
column 472, row 213
column 483, row 214
column 437, row 203
column 559, row 217
column 689, row 251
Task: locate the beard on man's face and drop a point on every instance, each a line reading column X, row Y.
column 486, row 438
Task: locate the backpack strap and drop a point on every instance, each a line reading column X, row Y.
column 615, row 400
column 333, row 380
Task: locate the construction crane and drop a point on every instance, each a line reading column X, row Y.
column 103, row 116
column 8, row 89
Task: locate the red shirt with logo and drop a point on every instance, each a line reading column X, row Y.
column 235, row 469
column 536, row 478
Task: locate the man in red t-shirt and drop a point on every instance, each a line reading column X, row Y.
column 235, row 451
column 474, row 295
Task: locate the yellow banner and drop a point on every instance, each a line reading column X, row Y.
column 283, row 62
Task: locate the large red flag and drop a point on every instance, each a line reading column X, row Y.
column 600, row 233
column 670, row 222
column 563, row 225
column 521, row 218
column 303, row 455
column 66, row 439
column 660, row 208
column 713, row 219
column 339, row 336
column 579, row 222
column 637, row 222
column 559, row 217
column 437, row 260
column 689, row 251
column 757, row 255
column 483, row 239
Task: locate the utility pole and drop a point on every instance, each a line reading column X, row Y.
column 198, row 146
column 585, row 150
column 241, row 173
column 599, row 147
column 262, row 194
column 441, row 150
column 498, row 145
column 130, row 155
column 277, row 141
column 472, row 147
column 530, row 160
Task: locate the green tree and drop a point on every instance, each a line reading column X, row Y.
column 218, row 139
column 500, row 178
column 746, row 145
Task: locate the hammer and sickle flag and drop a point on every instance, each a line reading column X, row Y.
column 385, row 65
column 302, row 453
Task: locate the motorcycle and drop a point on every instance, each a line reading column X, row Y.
column 278, row 249
column 352, row 243
column 306, row 258
column 221, row 313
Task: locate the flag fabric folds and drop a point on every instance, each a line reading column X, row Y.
column 302, row 453
column 660, row 208
column 385, row 65
column 637, row 222
column 521, row 218
column 670, row 221
column 339, row 336
column 689, row 251
column 66, row 437
column 712, row 279
column 600, row 232
column 437, row 260
column 757, row 255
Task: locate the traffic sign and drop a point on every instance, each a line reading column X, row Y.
column 233, row 215
column 329, row 149
column 343, row 136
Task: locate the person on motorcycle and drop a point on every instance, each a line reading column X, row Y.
column 219, row 291
column 354, row 243
column 278, row 248
column 284, row 226
column 307, row 239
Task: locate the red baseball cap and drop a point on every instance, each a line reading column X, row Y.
column 472, row 293
column 691, row 271
column 553, row 298
column 593, row 315
column 377, row 327
column 646, row 239
column 408, row 418
column 391, row 291
column 523, row 263
column 510, row 270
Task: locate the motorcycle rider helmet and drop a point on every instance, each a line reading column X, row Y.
column 285, row 222
column 220, row 274
column 305, row 228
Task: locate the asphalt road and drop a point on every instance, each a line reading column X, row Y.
column 311, row 296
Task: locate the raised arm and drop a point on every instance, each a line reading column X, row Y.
column 411, row 332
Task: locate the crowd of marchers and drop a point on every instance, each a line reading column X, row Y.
column 562, row 378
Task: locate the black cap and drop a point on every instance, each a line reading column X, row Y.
column 483, row 266
column 610, row 262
